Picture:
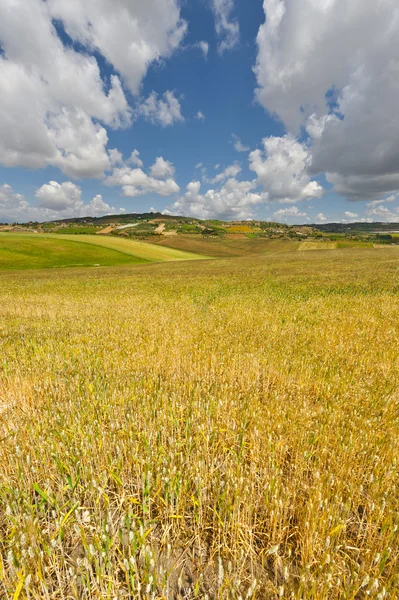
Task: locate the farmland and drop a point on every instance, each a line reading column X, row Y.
column 220, row 428
column 28, row 251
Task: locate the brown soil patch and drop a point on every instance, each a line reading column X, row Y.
column 106, row 230
column 160, row 228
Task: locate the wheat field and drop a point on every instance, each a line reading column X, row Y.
column 221, row 429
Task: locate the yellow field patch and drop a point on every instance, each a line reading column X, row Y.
column 318, row 246
column 240, row 229
column 204, row 421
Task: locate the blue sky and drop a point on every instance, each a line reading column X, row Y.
column 259, row 74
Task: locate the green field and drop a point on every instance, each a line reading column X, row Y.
column 219, row 429
column 37, row 251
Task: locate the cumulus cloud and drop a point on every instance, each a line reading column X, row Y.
column 235, row 200
column 227, row 28
column 136, row 182
column 56, row 201
column 115, row 157
column 164, row 111
column 200, row 116
column 282, row 168
column 350, row 215
column 59, row 196
column 333, row 67
column 135, row 159
column 12, row 204
column 289, row 213
column 321, row 218
column 387, row 200
column 383, row 213
column 54, row 103
column 238, row 145
column 162, row 168
column 130, row 35
column 230, row 171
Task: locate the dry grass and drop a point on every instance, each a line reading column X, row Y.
column 215, row 429
column 317, row 246
column 234, row 245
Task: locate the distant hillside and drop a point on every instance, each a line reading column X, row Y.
column 356, row 227
column 160, row 229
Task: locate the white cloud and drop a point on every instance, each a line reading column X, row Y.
column 54, row 103
column 230, row 171
column 238, row 145
column 388, row 200
column 321, row 218
column 134, row 159
column 115, row 157
column 135, row 182
column 130, row 35
column 11, row 204
column 289, row 213
column 227, row 28
column 200, row 116
column 383, row 213
column 350, row 215
column 235, row 200
column 311, row 53
column 163, row 111
column 162, row 168
column 56, row 201
column 59, row 196
column 204, row 46
column 198, row 165
column 283, row 169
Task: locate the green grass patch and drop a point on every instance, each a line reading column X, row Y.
column 37, row 251
column 354, row 244
column 78, row 230
column 41, row 252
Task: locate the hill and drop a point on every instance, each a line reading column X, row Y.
column 37, row 251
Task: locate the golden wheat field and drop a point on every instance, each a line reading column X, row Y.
column 220, row 429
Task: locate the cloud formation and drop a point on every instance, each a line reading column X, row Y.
column 235, row 200
column 283, row 169
column 227, row 28
column 238, row 145
column 55, row 105
column 164, row 110
column 135, row 182
column 230, row 171
column 292, row 212
column 333, row 67
column 56, row 201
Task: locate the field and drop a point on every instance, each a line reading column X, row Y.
column 317, row 246
column 217, row 429
column 27, row 251
column 226, row 247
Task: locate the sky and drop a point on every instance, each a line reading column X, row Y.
column 280, row 110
